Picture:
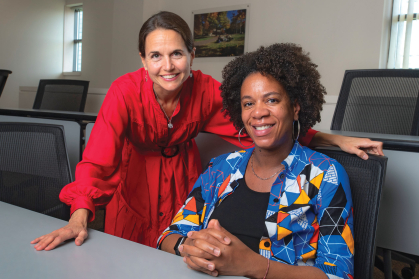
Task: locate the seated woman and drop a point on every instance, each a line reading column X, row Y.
column 278, row 201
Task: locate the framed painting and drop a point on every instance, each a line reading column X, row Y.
column 221, row 32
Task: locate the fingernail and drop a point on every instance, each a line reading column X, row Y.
column 210, row 266
column 190, row 234
column 227, row 240
column 216, row 251
column 180, row 248
column 184, row 259
column 214, row 273
column 365, row 157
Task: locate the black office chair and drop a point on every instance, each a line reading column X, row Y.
column 366, row 180
column 211, row 146
column 61, row 94
column 382, row 101
column 34, row 167
column 378, row 101
column 4, row 74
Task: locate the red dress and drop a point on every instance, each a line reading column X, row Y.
column 123, row 168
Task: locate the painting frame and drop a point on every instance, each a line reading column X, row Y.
column 221, row 32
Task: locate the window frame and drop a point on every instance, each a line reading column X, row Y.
column 69, row 38
column 78, row 44
column 399, row 57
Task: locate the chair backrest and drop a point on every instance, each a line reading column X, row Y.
column 4, row 74
column 72, row 135
column 89, row 128
column 366, row 178
column 61, row 94
column 211, row 146
column 34, row 167
column 378, row 101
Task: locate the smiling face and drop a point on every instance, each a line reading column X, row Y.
column 167, row 60
column 267, row 112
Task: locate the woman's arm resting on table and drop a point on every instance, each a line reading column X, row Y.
column 96, row 179
column 358, row 146
column 239, row 260
column 76, row 228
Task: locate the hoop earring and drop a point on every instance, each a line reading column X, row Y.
column 293, row 130
column 245, row 146
column 146, row 73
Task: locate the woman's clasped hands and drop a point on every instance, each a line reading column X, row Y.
column 215, row 251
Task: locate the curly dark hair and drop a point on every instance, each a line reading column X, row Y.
column 290, row 66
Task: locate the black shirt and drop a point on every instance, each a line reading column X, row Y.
column 243, row 214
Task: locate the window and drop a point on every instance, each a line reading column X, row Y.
column 78, row 33
column 73, row 33
column 404, row 41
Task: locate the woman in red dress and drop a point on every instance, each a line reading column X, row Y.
column 141, row 160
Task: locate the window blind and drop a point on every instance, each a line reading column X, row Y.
column 404, row 41
column 78, row 34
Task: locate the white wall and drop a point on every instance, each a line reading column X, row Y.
column 97, row 42
column 127, row 21
column 339, row 35
column 110, row 32
column 31, row 43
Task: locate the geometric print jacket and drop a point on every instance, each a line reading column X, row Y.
column 309, row 220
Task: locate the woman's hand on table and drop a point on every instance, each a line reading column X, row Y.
column 76, row 228
column 358, row 146
column 233, row 257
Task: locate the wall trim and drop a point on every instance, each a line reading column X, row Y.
column 331, row 99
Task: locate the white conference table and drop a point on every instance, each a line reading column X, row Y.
column 398, row 220
column 101, row 256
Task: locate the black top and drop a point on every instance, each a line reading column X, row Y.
column 243, row 214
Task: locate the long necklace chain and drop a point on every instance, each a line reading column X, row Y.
column 261, row 178
column 169, row 125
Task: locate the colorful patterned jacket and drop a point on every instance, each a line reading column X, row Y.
column 310, row 224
